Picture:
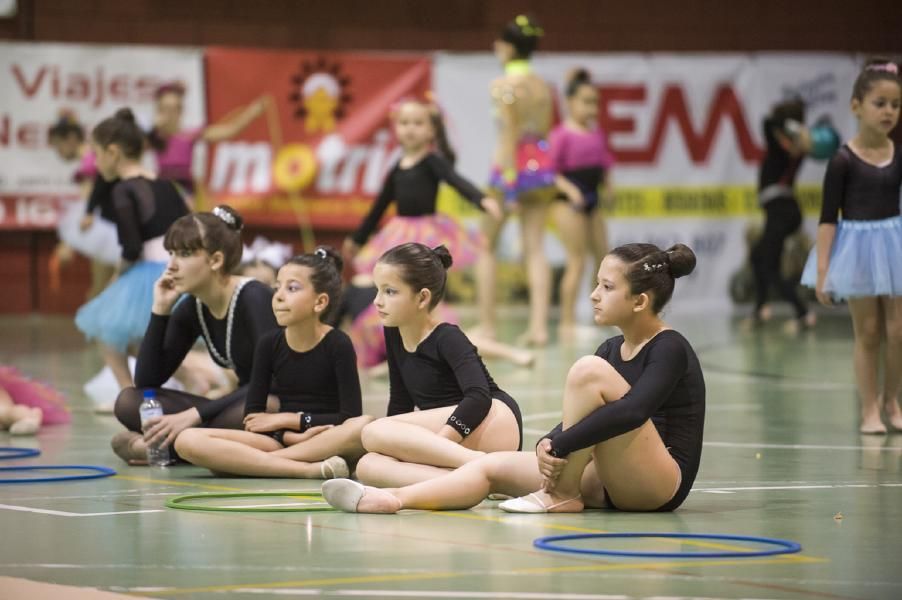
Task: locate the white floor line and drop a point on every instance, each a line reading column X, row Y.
column 826, row 486
column 798, row 446
column 60, row 513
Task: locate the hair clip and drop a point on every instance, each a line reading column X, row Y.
column 889, row 67
column 226, row 217
column 654, row 267
column 321, row 252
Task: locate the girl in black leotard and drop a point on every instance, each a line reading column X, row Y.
column 230, row 313
column 634, row 415
column 432, row 366
column 783, row 217
column 312, row 369
column 144, row 208
column 859, row 257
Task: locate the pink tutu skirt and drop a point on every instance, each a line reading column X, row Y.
column 431, row 230
column 36, row 395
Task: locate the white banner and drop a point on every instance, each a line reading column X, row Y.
column 93, row 81
column 687, row 134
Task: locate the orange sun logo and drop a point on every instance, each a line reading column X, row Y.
column 321, row 93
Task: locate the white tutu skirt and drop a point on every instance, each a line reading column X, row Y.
column 99, row 242
column 866, row 260
column 119, row 315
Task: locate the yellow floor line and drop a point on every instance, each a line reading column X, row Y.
column 451, row 574
column 205, row 486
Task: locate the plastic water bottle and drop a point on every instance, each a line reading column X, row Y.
column 157, row 455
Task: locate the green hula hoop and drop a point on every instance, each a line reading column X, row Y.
column 184, row 502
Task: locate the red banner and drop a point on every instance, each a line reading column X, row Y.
column 319, row 154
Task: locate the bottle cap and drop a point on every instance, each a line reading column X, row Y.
column 150, row 393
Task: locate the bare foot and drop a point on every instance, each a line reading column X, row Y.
column 535, row 339
column 870, row 420
column 765, row 313
column 893, row 414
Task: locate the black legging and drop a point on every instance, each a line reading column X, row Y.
column 782, row 219
column 173, row 401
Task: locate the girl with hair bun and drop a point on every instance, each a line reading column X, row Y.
column 633, row 415
column 432, row 367
column 583, row 162
column 522, row 174
column 230, row 313
column 312, row 368
column 144, row 209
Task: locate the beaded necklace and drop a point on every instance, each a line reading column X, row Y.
column 227, row 361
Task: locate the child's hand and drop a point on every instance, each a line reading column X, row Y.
column 492, row 208
column 164, row 295
column 822, row 297
column 266, row 422
column 86, row 222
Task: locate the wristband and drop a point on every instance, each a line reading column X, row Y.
column 304, row 421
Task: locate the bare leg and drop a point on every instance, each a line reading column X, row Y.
column 866, row 322
column 384, row 471
column 342, row 440
column 118, row 364
column 892, row 373
column 490, row 348
column 240, row 453
column 635, row 467
column 486, row 278
column 511, row 473
column 598, row 236
column 572, row 226
column 413, row 437
column 533, row 216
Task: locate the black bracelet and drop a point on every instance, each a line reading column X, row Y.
column 304, row 422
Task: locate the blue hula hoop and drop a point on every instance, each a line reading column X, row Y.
column 93, row 473
column 782, row 546
column 11, row 452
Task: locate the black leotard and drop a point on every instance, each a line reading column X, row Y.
column 779, row 168
column 145, row 208
column 859, row 190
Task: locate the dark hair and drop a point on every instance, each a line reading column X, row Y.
column 442, row 144
column 523, row 34
column 421, row 267
column 122, row 130
column 875, row 69
column 576, row 79
column 216, row 231
column 650, row 269
column 325, row 264
column 793, row 109
column 67, row 124
column 171, row 87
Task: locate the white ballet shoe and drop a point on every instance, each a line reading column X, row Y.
column 334, row 467
column 531, row 504
column 343, row 494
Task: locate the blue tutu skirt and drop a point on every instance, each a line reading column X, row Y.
column 119, row 315
column 866, row 260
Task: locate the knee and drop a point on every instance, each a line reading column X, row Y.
column 868, row 336
column 360, row 422
column 894, row 331
column 368, row 467
column 374, row 435
column 589, row 370
column 126, row 408
column 187, row 443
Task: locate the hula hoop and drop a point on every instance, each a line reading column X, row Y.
column 783, row 546
column 93, row 473
column 11, row 452
column 183, row 502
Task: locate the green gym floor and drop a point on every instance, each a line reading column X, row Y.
column 782, row 459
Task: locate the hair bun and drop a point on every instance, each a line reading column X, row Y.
column 681, row 259
column 329, row 254
column 125, row 114
column 444, row 256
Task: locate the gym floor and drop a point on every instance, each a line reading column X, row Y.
column 783, row 459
